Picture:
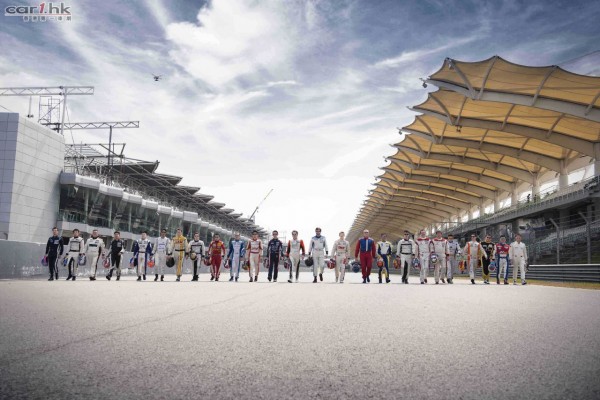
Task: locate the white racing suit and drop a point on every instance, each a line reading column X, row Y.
column 341, row 252
column 318, row 249
column 75, row 247
column 452, row 263
column 473, row 251
column 254, row 250
column 518, row 257
column 425, row 246
column 501, row 253
column 406, row 250
column 293, row 250
column 236, row 253
column 94, row 248
column 142, row 250
column 198, row 248
column 440, row 247
column 162, row 248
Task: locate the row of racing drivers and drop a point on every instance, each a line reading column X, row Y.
column 443, row 255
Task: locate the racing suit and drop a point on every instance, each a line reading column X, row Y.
column 274, row 252
column 384, row 249
column 406, row 250
column 162, row 248
column 488, row 247
column 365, row 247
column 75, row 248
column 117, row 248
column 293, row 253
column 318, row 246
column 54, row 249
column 254, row 251
column 452, row 262
column 237, row 251
column 217, row 252
column 197, row 246
column 341, row 252
column 94, row 248
column 179, row 248
column 440, row 247
column 501, row 253
column 424, row 249
column 473, row 251
column 518, row 257
column 141, row 250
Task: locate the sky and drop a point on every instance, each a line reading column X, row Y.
column 300, row 96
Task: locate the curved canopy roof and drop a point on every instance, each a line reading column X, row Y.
column 491, row 126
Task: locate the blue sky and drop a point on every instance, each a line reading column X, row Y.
column 300, row 96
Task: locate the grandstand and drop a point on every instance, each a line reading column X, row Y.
column 47, row 183
column 497, row 148
column 129, row 195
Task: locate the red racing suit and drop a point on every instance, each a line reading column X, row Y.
column 217, row 252
column 366, row 248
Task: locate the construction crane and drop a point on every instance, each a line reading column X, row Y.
column 48, row 91
column 259, row 204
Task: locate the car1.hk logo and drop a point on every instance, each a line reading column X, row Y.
column 40, row 13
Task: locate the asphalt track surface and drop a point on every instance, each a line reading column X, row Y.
column 169, row 340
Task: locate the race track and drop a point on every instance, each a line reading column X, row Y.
column 147, row 340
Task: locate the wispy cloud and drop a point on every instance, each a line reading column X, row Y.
column 301, row 96
column 407, row 57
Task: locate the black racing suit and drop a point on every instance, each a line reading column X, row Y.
column 117, row 247
column 489, row 250
column 274, row 251
column 54, row 249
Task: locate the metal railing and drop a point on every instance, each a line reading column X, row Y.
column 550, row 197
column 565, row 272
column 546, row 272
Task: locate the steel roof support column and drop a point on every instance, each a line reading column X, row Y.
column 497, row 202
column 563, row 177
column 535, row 189
column 471, row 212
column 514, row 196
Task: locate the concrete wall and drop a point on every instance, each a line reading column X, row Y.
column 32, row 158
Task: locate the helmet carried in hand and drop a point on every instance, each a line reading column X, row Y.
column 170, row 262
column 416, row 264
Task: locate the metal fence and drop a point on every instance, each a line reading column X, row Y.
column 549, row 198
column 565, row 272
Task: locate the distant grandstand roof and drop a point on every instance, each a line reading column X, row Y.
column 491, row 125
column 141, row 177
